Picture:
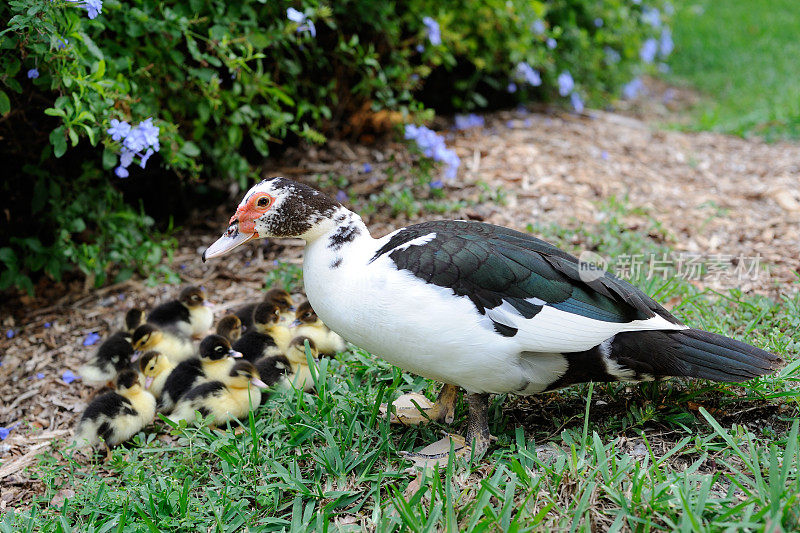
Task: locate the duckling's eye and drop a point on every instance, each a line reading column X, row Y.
column 308, row 315
column 263, row 201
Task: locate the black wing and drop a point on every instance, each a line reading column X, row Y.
column 168, row 313
column 492, row 264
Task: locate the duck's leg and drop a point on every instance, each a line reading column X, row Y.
column 444, row 410
column 478, row 436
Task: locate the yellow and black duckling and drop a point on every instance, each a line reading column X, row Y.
column 230, row 327
column 308, row 324
column 280, row 297
column 149, row 337
column 188, row 316
column 156, row 368
column 215, row 363
column 112, row 357
column 284, row 371
column 230, row 398
column 114, row 417
column 133, row 319
column 267, row 336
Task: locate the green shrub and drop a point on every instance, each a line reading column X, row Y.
column 225, row 83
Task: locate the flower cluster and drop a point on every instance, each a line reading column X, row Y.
column 432, row 29
column 465, row 122
column 93, row 7
column 137, row 141
column 304, row 23
column 524, row 72
column 432, row 145
column 566, row 87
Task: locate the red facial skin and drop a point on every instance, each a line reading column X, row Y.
column 247, row 214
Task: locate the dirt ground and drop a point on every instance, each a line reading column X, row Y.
column 715, row 195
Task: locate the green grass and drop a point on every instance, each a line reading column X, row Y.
column 743, row 56
column 688, row 456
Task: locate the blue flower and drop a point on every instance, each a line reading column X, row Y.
column 437, row 184
column 295, row 15
column 632, row 89
column 538, row 27
column 525, row 73
column 665, row 44
column 612, row 56
column 4, row 431
column 69, row 377
column 121, row 172
column 367, row 168
column 39, row 375
column 118, row 130
column 33, row 74
column 302, row 19
column 465, row 122
column 93, row 7
column 510, row 124
column 432, row 29
column 145, row 157
column 126, row 157
column 47, row 325
column 62, row 43
column 10, row 334
column 651, row 16
column 604, row 155
column 598, row 22
column 649, row 50
column 420, row 48
column 551, row 43
column 433, row 146
column 565, row 83
column 512, row 87
column 91, row 339
column 577, row 102
column 341, row 196
column 149, row 131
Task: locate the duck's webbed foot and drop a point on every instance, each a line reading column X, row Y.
column 414, row 409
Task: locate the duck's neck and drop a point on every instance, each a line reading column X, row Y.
column 338, row 230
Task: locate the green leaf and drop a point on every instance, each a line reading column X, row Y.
column 53, row 112
column 190, row 149
column 5, row 103
column 93, row 49
column 59, row 141
column 109, row 158
column 73, row 136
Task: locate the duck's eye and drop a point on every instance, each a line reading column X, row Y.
column 263, row 201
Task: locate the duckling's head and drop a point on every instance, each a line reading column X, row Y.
column 305, row 316
column 192, row 297
column 230, row 327
column 281, row 298
column 297, row 349
column 133, row 319
column 216, row 348
column 151, row 365
column 265, row 317
column 128, row 381
column 243, row 374
column 145, row 338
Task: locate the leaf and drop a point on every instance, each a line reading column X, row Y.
column 53, row 112
column 190, row 149
column 5, row 103
column 59, row 141
column 93, row 49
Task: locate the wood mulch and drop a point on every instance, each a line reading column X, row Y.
column 714, row 194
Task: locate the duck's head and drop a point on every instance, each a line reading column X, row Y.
column 151, row 365
column 133, row 319
column 281, row 298
column 275, row 207
column 145, row 338
column 243, row 374
column 266, row 317
column 216, row 348
column 193, row 297
column 306, row 316
column 230, row 327
column 296, row 351
column 128, row 381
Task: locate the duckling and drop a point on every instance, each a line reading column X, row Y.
column 113, row 356
column 188, row 316
column 149, row 337
column 215, row 362
column 267, row 336
column 307, row 323
column 156, row 367
column 284, row 371
column 230, row 398
column 230, row 327
column 279, row 297
column 116, row 416
column 133, row 319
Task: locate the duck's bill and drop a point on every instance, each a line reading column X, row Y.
column 235, row 354
column 136, row 355
column 148, row 381
column 258, row 383
column 226, row 243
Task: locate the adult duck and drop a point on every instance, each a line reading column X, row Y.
column 479, row 306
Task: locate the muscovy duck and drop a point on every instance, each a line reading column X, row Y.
column 479, row 306
column 188, row 316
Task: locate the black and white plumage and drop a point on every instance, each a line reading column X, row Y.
column 486, row 308
column 266, row 337
column 113, row 356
